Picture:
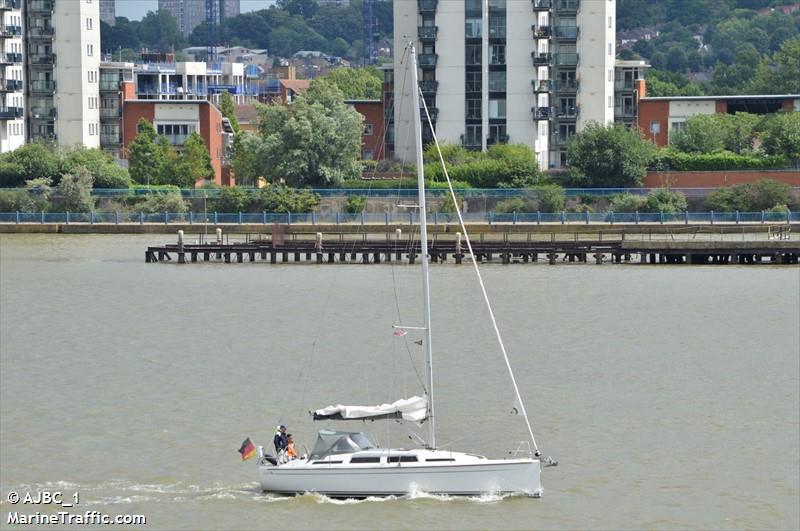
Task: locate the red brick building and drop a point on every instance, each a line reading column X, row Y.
column 176, row 120
column 372, row 144
column 658, row 117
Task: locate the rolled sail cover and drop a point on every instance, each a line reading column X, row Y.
column 414, row 409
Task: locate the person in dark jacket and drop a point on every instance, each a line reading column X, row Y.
column 280, row 441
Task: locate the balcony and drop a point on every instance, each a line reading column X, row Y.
column 427, row 60
column 10, row 58
column 564, row 7
column 566, row 86
column 42, row 59
column 428, row 86
column 497, row 32
column 110, row 113
column 541, row 86
column 559, row 140
column 41, row 32
column 10, row 85
column 5, row 5
column 541, row 5
column 43, row 113
column 566, row 33
column 427, row 33
column 40, row 6
column 10, row 31
column 10, row 113
column 41, row 85
column 542, row 113
column 624, row 85
column 427, row 6
column 541, row 59
column 107, row 85
column 542, row 32
column 568, row 112
column 110, row 139
column 626, row 111
column 566, row 59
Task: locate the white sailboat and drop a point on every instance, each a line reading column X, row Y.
column 351, row 464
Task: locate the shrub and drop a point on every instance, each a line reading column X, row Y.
column 627, row 203
column 669, row 159
column 231, row 199
column 448, row 206
column 165, row 202
column 750, row 197
column 546, row 198
column 282, row 199
column 13, row 200
column 74, row 191
column 106, row 172
column 515, row 204
column 355, row 204
column 664, row 200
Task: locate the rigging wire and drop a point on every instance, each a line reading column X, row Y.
column 480, row 279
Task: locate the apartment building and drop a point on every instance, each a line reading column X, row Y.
column 192, row 81
column 518, row 71
column 12, row 76
column 108, row 12
column 62, row 96
column 116, row 86
column 190, row 13
column 628, row 88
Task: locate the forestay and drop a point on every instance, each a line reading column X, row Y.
column 413, row 409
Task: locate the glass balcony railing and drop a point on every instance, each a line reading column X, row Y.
column 428, row 85
column 542, row 113
column 10, row 31
column 541, row 59
column 10, row 58
column 543, row 85
column 566, row 85
column 566, row 111
column 43, row 113
column 41, row 32
column 426, row 33
column 40, row 6
column 10, row 85
column 427, row 6
column 110, row 139
column 541, row 5
column 540, row 32
column 566, row 59
column 566, row 33
column 42, row 59
column 9, row 4
column 566, row 6
column 10, row 113
column 110, row 112
column 109, row 85
column 427, row 59
column 40, row 85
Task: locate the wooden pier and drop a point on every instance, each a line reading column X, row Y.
column 362, row 250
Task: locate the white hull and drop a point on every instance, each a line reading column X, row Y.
column 461, row 475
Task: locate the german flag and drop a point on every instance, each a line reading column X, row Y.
column 247, row 450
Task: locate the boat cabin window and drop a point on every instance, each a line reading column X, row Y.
column 356, row 460
column 435, row 459
column 402, row 458
column 331, row 442
column 326, row 463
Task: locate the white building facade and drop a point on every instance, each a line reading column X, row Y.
column 62, row 96
column 12, row 76
column 505, row 71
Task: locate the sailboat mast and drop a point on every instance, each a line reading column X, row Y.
column 423, row 236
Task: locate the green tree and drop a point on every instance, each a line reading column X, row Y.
column 695, row 61
column 782, row 135
column 610, row 156
column 74, row 191
column 194, row 163
column 282, row 199
column 228, row 110
column 248, row 158
column 676, row 59
column 779, row 74
column 144, row 163
column 231, row 199
column 355, row 204
column 701, row 134
column 750, row 197
column 105, row 172
column 354, row 83
column 159, row 30
column 315, row 141
column 664, row 200
column 30, row 161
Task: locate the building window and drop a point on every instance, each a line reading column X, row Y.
column 497, row 108
column 367, row 154
column 89, row 50
column 473, row 54
column 611, row 74
column 497, row 81
column 610, row 22
column 674, row 127
column 92, row 102
column 610, row 48
column 473, row 109
column 367, row 129
column 497, row 54
column 655, row 128
column 92, row 76
column 473, row 28
column 473, row 136
column 473, row 82
column 611, row 102
column 89, row 23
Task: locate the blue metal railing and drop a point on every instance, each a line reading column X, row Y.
column 411, row 217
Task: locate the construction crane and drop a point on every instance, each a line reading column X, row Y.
column 211, row 27
column 368, row 16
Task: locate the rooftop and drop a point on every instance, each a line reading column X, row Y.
column 727, row 97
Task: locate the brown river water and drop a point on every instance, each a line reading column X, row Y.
column 669, row 394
